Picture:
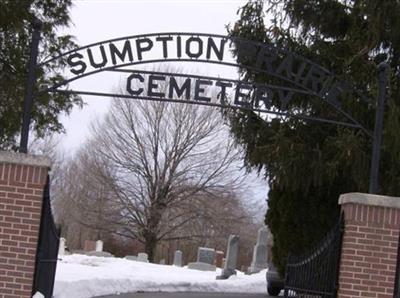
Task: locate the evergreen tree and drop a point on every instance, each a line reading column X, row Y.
column 308, row 164
column 16, row 19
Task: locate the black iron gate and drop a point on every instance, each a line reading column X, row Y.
column 315, row 274
column 46, row 256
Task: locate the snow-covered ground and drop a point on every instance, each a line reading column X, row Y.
column 82, row 276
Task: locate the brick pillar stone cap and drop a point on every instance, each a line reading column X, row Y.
column 369, row 199
column 24, row 159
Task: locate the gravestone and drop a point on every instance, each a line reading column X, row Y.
column 205, row 260
column 178, row 258
column 206, row 255
column 231, row 258
column 260, row 254
column 162, row 262
column 142, row 257
column 219, row 255
column 131, row 258
column 100, row 254
column 99, row 245
column 78, row 251
column 89, row 245
column 61, row 247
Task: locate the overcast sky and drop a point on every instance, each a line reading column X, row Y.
column 98, row 20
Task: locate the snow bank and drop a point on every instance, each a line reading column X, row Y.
column 81, row 276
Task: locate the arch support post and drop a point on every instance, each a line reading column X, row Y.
column 31, row 81
column 377, row 138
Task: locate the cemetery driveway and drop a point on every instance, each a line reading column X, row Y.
column 187, row 295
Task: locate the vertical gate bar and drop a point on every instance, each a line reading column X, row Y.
column 31, row 81
column 287, row 274
column 377, row 141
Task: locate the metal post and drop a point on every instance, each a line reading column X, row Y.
column 377, row 141
column 28, row 99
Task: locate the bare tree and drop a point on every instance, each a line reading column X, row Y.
column 88, row 210
column 162, row 157
column 65, row 178
column 84, row 206
column 174, row 176
column 49, row 146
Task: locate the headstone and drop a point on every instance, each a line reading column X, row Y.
column 103, row 254
column 219, row 256
column 260, row 254
column 61, row 247
column 99, row 245
column 89, row 245
column 201, row 266
column 131, row 258
column 38, row 295
column 178, row 258
column 231, row 258
column 78, row 251
column 162, row 262
column 205, row 260
column 142, row 257
column 206, row 255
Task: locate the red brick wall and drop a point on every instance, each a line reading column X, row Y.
column 21, row 196
column 369, row 251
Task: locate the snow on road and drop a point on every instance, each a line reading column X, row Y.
column 82, row 276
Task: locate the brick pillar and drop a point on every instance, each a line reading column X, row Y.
column 370, row 245
column 22, row 180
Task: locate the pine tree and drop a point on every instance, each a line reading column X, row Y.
column 308, row 164
column 16, row 19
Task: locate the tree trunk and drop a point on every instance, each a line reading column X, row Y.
column 150, row 235
column 150, row 246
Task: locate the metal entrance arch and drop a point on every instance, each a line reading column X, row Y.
column 117, row 54
column 294, row 74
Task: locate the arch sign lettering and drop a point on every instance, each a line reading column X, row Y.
column 292, row 75
column 295, row 74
